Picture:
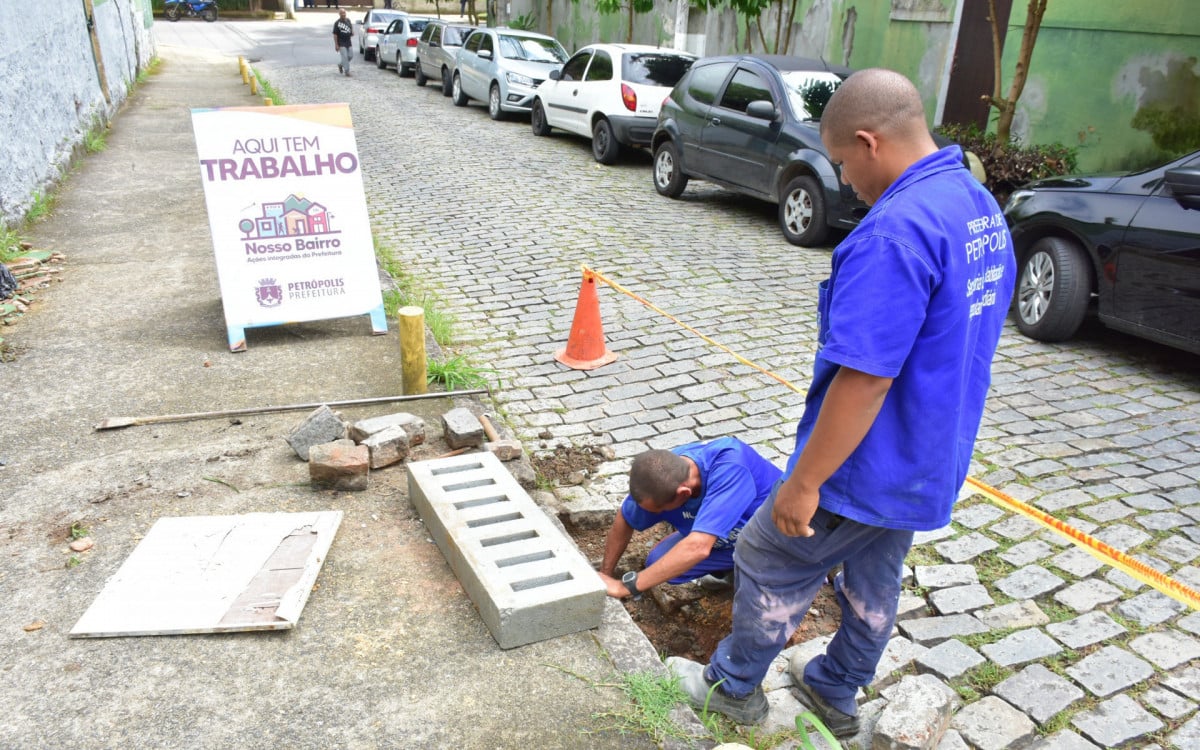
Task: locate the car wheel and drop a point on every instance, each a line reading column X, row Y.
column 605, row 147
column 209, row 14
column 456, row 92
column 379, row 63
column 802, row 212
column 418, row 74
column 494, row 110
column 668, row 179
column 537, row 119
column 445, row 82
column 1053, row 290
column 172, row 12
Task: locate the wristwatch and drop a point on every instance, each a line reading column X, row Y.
column 630, row 581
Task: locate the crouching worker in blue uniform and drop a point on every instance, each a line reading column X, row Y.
column 707, row 492
column 907, row 326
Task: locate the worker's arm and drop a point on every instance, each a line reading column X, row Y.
column 614, row 546
column 850, row 407
column 681, row 558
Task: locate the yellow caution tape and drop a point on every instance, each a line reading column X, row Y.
column 1103, row 552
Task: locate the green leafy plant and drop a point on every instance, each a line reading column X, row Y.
column 43, row 205
column 78, row 531
column 410, row 291
column 267, row 90
column 526, row 22
column 457, row 373
column 73, row 560
column 95, row 140
column 1011, row 165
column 10, row 244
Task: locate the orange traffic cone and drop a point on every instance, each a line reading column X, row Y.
column 585, row 348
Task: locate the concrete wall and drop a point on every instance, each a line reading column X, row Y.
column 1094, row 65
column 51, row 94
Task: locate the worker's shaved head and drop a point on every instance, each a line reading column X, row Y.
column 876, row 100
column 655, row 476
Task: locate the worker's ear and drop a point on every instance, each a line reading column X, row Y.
column 683, row 493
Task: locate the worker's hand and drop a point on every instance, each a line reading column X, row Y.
column 793, row 510
column 614, row 587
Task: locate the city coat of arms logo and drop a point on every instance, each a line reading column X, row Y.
column 268, row 293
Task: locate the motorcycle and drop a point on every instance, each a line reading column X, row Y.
column 176, row 9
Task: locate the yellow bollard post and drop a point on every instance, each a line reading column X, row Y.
column 254, row 85
column 241, row 62
column 267, row 101
column 245, row 73
column 414, row 377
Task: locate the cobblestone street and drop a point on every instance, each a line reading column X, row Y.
column 1102, row 432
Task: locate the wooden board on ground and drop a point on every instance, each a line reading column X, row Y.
column 214, row 574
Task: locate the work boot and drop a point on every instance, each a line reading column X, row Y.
column 840, row 723
column 716, row 581
column 340, row 68
column 706, row 696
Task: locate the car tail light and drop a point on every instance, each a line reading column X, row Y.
column 629, row 97
column 412, row 42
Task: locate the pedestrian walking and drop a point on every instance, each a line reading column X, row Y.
column 343, row 41
column 908, row 322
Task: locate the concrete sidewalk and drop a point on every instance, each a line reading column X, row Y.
column 389, row 651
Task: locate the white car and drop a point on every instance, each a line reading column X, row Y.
column 610, row 92
column 370, row 26
column 503, row 67
column 397, row 45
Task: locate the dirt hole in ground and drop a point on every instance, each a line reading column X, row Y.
column 682, row 620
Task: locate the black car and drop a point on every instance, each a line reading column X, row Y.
column 1131, row 242
column 740, row 122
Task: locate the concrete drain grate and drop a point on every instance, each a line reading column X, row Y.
column 524, row 575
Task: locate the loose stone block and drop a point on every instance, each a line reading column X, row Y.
column 1022, row 614
column 1167, row 649
column 1168, row 703
column 949, row 659
column 1077, row 562
column 1086, row 595
column 1021, row 647
column 462, row 429
column 958, row 599
column 945, row 576
column 965, row 548
column 917, row 717
column 1029, row 582
column 1085, row 630
column 897, row 655
column 413, row 426
column 783, row 708
column 911, row 606
column 992, row 724
column 339, row 465
column 1038, row 692
column 322, row 425
column 1026, row 552
column 930, row 631
column 1109, row 670
column 1115, row 722
column 952, row 740
column 387, row 447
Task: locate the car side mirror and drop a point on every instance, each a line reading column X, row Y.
column 1185, row 186
column 761, row 110
column 486, row 54
column 556, row 74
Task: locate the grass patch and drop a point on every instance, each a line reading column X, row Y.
column 96, row 139
column 154, row 67
column 979, row 681
column 410, row 291
column 922, row 555
column 43, row 206
column 78, row 531
column 653, row 698
column 457, row 373
column 267, row 90
column 10, row 244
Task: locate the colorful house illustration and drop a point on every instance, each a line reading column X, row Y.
column 290, row 217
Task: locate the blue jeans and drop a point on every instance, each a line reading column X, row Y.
column 345, row 55
column 718, row 561
column 776, row 579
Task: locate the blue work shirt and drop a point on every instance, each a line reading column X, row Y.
column 918, row 292
column 734, row 481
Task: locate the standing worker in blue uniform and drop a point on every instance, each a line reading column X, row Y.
column 908, row 323
column 707, row 492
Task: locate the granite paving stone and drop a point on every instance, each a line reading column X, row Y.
column 1167, row 703
column 1122, row 537
column 927, row 537
column 930, row 631
column 1109, row 510
column 1021, row 647
column 1148, row 502
column 1038, row 692
column 1056, row 501
column 958, row 599
column 952, row 740
column 897, row 655
column 1064, row 740
column 965, row 548
column 1027, row 552
column 1167, row 649
column 1087, row 594
column 1185, row 681
column 1116, row 721
column 1162, row 521
column 1019, row 614
column 1076, row 561
column 1029, row 582
column 1109, row 670
column 992, row 724
column 1150, row 608
column 1187, row 737
column 944, row 576
column 1189, row 575
column 1015, row 527
column 976, row 516
column 949, row 659
column 1190, row 623
column 1177, row 549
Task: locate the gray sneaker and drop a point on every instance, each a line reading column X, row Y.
column 705, row 696
column 836, row 721
column 720, row 582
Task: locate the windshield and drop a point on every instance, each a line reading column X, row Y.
column 655, row 69
column 532, row 49
column 382, row 19
column 452, row 36
column 797, row 80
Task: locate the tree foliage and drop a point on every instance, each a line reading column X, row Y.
column 753, row 11
column 631, row 7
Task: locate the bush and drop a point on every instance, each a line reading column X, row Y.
column 1011, row 165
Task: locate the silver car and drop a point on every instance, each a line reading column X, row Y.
column 398, row 44
column 370, row 26
column 436, row 50
column 504, row 67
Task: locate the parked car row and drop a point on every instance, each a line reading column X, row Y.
column 1127, row 245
